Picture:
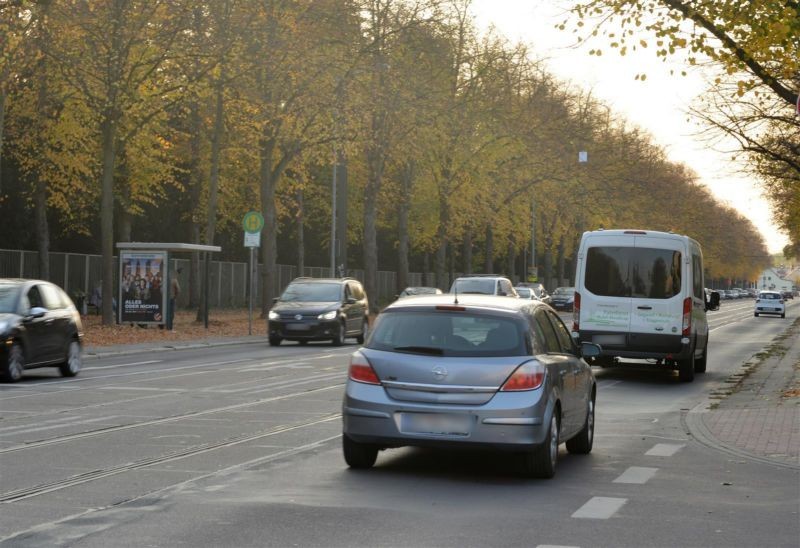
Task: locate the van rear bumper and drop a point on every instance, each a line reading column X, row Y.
column 638, row 345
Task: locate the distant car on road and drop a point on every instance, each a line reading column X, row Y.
column 39, row 327
column 563, row 298
column 411, row 291
column 487, row 284
column 487, row 372
column 788, row 295
column 534, row 291
column 770, row 302
column 314, row 309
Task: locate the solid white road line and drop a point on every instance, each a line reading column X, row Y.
column 664, row 449
column 123, row 365
column 636, row 474
column 600, row 508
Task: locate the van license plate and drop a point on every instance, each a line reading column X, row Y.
column 437, row 424
column 609, row 339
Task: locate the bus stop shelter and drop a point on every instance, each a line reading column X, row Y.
column 145, row 280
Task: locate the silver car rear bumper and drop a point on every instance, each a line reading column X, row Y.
column 511, row 421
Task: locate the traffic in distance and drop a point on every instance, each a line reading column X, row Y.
column 485, row 365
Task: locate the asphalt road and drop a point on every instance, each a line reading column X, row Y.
column 240, row 446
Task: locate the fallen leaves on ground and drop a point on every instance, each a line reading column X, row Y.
column 222, row 323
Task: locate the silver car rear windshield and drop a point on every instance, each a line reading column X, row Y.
column 445, row 333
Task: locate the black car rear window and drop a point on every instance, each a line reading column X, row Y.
column 633, row 272
column 444, row 333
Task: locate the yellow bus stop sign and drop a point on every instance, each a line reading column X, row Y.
column 253, row 222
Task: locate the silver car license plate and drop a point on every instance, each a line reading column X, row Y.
column 438, row 424
column 297, row 327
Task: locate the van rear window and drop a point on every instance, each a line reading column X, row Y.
column 639, row 272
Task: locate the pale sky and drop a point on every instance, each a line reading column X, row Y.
column 659, row 104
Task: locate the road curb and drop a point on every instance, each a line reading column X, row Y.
column 89, row 355
column 693, row 421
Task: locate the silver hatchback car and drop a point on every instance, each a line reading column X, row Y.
column 474, row 372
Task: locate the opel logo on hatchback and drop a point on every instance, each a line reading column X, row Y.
column 298, row 317
column 439, row 372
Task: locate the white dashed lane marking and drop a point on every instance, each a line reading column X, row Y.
column 600, row 508
column 636, row 474
column 665, row 449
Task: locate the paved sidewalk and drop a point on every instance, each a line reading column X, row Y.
column 160, row 346
column 758, row 415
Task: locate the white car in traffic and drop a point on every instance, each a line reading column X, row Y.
column 770, row 302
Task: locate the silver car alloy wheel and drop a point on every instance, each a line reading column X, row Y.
column 74, row 360
column 16, row 362
column 553, row 439
column 590, row 421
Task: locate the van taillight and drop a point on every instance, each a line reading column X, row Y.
column 576, row 312
column 687, row 316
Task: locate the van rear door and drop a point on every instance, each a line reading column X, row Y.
column 605, row 289
column 658, row 277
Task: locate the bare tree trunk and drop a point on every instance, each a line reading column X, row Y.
column 125, row 224
column 426, row 267
column 42, row 231
column 301, row 243
column 560, row 261
column 267, row 180
column 216, row 146
column 402, row 247
column 440, row 260
column 512, row 260
column 488, row 263
column 548, row 269
column 467, row 257
column 2, row 127
column 108, row 137
column 375, row 165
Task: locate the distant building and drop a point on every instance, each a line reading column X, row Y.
column 771, row 280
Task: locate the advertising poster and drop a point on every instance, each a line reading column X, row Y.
column 142, row 287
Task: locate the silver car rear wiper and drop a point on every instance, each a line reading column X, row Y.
column 421, row 350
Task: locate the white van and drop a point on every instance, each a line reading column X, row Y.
column 639, row 294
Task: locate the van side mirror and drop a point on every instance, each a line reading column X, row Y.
column 590, row 350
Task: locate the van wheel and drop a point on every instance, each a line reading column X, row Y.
column 275, row 341
column 755, row 314
column 700, row 364
column 686, row 368
column 783, row 315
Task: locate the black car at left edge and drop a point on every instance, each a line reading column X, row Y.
column 39, row 327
